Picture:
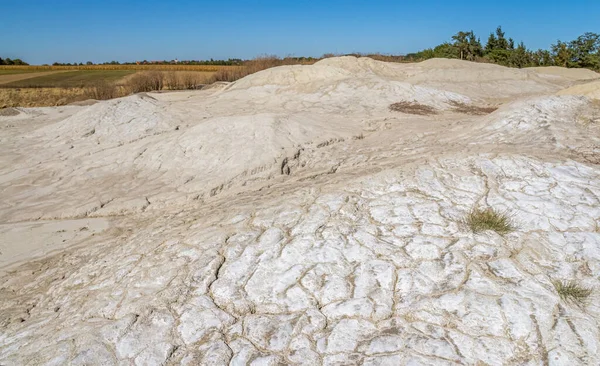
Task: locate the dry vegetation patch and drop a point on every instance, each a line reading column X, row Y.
column 41, row 97
column 413, row 108
column 472, row 109
column 480, row 220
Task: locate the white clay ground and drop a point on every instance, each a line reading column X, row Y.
column 293, row 218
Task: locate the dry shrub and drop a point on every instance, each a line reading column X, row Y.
column 102, row 90
column 145, row 82
column 230, row 74
column 171, row 80
column 471, row 109
column 190, row 80
column 413, row 108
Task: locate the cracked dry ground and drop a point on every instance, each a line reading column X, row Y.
column 377, row 270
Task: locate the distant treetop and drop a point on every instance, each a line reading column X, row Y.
column 8, row 61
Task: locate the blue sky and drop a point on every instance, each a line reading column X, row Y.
column 45, row 31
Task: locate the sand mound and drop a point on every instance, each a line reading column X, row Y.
column 574, row 74
column 342, row 85
column 470, row 79
column 113, row 122
column 292, row 75
column 438, row 69
column 590, row 90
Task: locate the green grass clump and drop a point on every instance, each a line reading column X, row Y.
column 480, row 220
column 571, row 291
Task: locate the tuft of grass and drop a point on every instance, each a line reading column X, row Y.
column 480, row 220
column 571, row 291
column 412, row 108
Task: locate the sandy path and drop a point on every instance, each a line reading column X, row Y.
column 5, row 79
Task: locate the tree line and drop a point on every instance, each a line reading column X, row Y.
column 8, row 61
column 212, row 62
column 583, row 52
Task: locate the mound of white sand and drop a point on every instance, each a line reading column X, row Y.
column 590, row 90
column 113, row 122
column 574, row 74
column 291, row 217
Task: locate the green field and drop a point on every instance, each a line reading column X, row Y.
column 69, row 79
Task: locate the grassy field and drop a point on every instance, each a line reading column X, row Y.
column 70, row 79
column 206, row 68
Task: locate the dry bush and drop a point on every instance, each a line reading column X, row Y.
column 190, row 80
column 471, row 109
column 413, row 108
column 184, row 80
column 171, row 80
column 230, row 74
column 102, row 90
column 145, row 82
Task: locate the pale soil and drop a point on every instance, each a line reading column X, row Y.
column 293, row 218
column 591, row 90
column 5, row 79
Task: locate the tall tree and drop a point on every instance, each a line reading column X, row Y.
column 585, row 51
column 561, row 53
column 461, row 42
column 475, row 49
column 492, row 43
column 519, row 57
column 501, row 42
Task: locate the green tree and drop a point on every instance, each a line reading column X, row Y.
column 501, row 42
column 585, row 51
column 519, row 57
column 461, row 42
column 561, row 53
column 541, row 58
column 446, row 50
column 475, row 47
column 492, row 43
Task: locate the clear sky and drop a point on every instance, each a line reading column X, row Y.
column 45, row 31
